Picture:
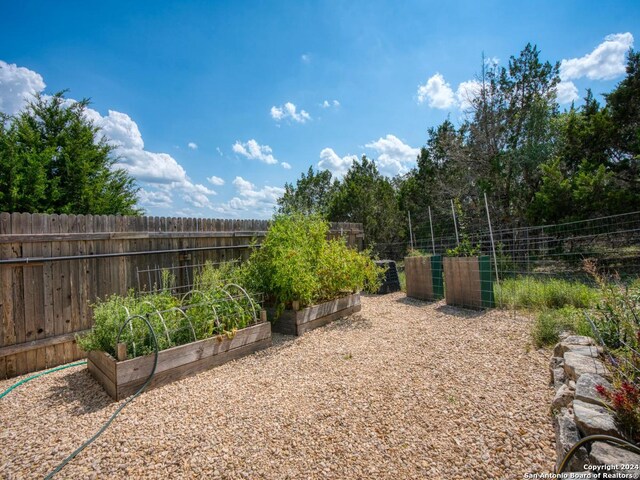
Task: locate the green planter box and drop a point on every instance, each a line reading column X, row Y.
column 424, row 277
column 469, row 282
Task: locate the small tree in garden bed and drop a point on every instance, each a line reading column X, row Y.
column 296, row 262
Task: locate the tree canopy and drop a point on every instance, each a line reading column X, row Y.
column 53, row 159
column 537, row 164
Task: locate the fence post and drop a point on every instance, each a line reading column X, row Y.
column 410, row 232
column 493, row 246
column 455, row 223
column 433, row 241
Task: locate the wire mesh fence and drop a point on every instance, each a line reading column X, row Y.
column 486, row 263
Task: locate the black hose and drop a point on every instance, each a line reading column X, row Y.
column 129, row 400
column 591, row 438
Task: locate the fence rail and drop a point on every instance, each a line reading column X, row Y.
column 54, row 267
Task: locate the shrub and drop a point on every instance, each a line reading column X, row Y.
column 297, row 262
column 549, row 324
column 617, row 322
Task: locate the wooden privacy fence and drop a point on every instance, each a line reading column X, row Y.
column 46, row 300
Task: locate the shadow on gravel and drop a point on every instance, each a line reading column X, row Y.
column 80, row 393
column 460, row 312
column 352, row 322
column 414, row 302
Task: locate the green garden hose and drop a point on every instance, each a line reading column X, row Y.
column 126, row 402
column 28, row 379
column 591, row 438
column 118, row 410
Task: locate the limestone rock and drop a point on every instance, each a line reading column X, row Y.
column 586, row 389
column 593, row 419
column 576, row 365
column 605, row 454
column 564, row 396
column 558, row 377
column 579, row 340
column 587, row 350
column 567, row 436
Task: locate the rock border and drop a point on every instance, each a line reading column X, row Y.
column 576, row 368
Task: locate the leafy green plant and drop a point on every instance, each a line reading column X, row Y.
column 414, row 252
column 549, row 324
column 296, row 262
column 217, row 305
column 464, row 249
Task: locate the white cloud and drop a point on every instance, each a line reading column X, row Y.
column 254, row 151
column 119, row 128
column 151, row 167
column 467, row 92
column 157, row 199
column 338, row 166
column 17, row 86
column 289, row 111
column 566, row 92
column 161, row 175
column 437, row 92
column 260, row 202
column 192, row 145
column 285, row 165
column 393, row 156
column 606, row 62
column 219, row 151
column 197, row 195
column 213, row 180
column 305, row 57
column 327, row 104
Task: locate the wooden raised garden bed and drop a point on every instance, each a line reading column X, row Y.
column 424, row 277
column 297, row 322
column 123, row 378
column 469, row 282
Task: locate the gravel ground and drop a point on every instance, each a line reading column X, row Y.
column 404, row 389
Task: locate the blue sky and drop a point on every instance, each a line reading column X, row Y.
column 258, row 87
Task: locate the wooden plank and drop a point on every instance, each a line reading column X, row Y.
column 37, row 291
column 419, row 278
column 193, row 368
column 39, row 344
column 295, row 323
column 140, row 367
column 102, row 379
column 48, row 285
column 67, row 286
column 105, row 363
column 127, row 235
column 58, row 299
column 322, row 321
column 75, row 248
column 7, row 329
column 326, row 308
column 22, row 362
column 475, row 292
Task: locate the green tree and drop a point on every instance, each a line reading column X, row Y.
column 54, row 160
column 365, row 196
column 311, row 194
column 623, row 104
